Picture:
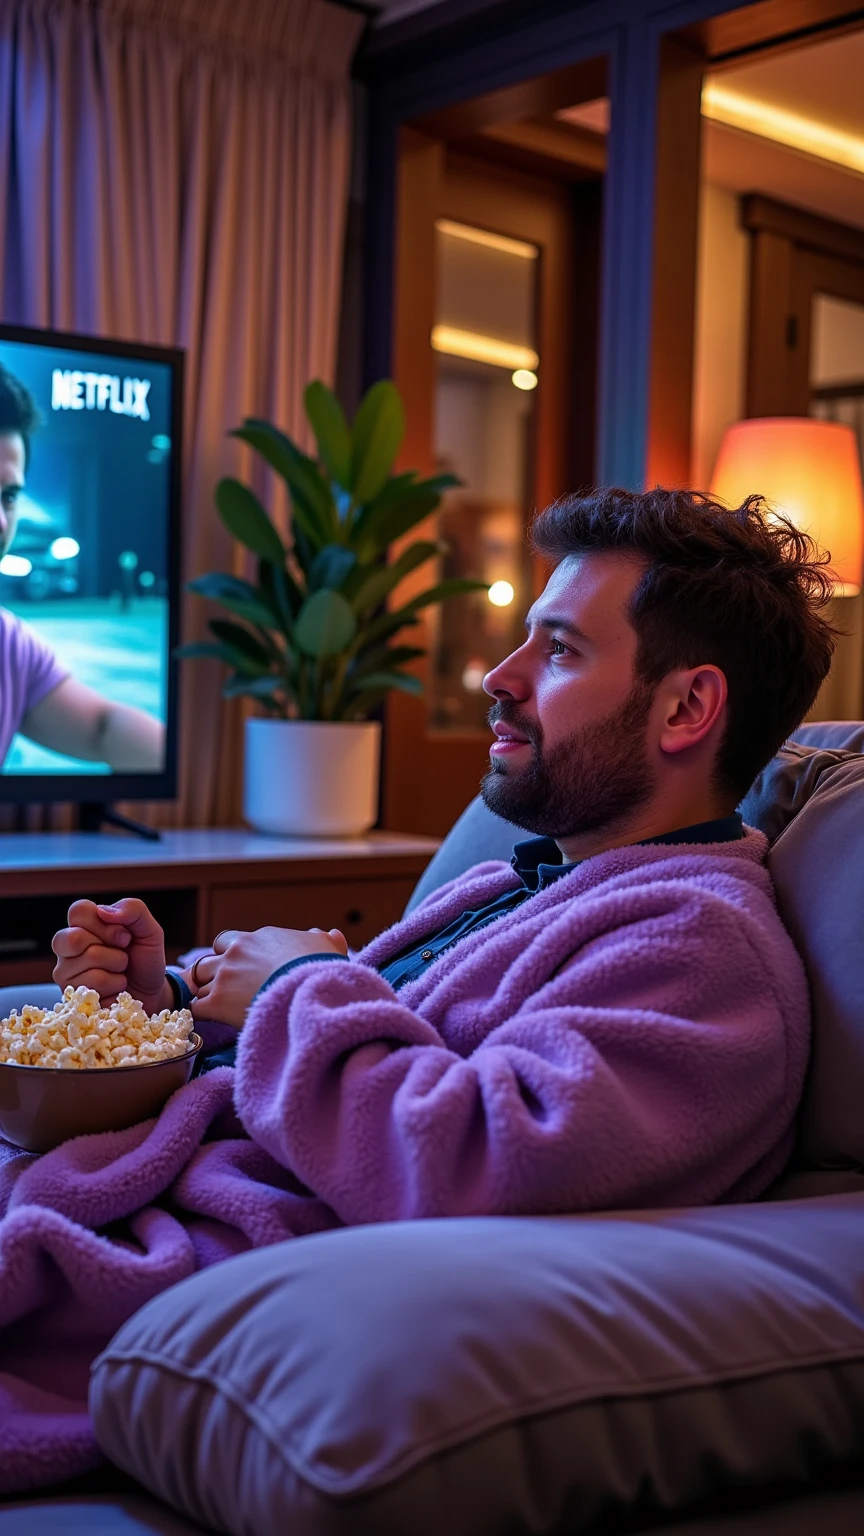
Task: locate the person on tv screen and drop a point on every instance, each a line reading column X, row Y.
column 38, row 697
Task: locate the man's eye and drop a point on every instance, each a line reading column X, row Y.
column 563, row 650
column 8, row 497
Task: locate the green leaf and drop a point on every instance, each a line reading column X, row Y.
column 386, row 656
column 379, row 428
column 382, row 581
column 387, row 624
column 256, row 687
column 331, row 431
column 245, row 518
column 253, row 654
column 403, row 503
column 326, row 624
column 402, row 680
column 455, row 586
column 240, row 597
column 311, row 497
column 281, row 592
column 331, row 566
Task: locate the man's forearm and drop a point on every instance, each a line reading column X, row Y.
column 132, row 740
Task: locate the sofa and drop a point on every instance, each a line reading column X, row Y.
column 696, row 1371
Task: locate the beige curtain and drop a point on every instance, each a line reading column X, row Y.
column 175, row 171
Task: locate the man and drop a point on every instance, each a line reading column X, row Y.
column 37, row 695
column 617, row 1019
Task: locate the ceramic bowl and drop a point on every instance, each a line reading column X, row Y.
column 42, row 1106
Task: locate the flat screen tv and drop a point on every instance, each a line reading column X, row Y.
column 89, row 567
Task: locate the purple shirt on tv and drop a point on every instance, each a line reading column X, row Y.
column 29, row 670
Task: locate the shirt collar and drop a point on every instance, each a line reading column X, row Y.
column 538, row 860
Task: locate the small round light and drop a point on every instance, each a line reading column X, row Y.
column 523, row 378
column 15, row 565
column 147, row 579
column 65, row 549
column 472, row 677
column 501, row 593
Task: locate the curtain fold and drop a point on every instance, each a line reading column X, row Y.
column 175, row 172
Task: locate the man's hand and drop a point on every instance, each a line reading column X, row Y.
column 241, row 962
column 114, row 949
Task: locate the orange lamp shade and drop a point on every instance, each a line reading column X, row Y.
column 809, row 470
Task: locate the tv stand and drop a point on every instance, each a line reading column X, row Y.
column 94, row 814
column 199, row 880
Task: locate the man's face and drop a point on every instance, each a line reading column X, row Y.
column 12, row 458
column 582, row 761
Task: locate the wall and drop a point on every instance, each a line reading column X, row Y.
column 721, row 327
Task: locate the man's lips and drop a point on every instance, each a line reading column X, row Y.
column 508, row 739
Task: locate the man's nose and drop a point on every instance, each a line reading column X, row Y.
column 505, row 679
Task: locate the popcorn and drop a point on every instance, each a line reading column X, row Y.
column 78, row 1032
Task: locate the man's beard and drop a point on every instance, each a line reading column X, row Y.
column 596, row 779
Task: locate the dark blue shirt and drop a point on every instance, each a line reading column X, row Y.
column 537, row 861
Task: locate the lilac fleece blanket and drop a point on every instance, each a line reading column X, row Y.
column 91, row 1231
column 634, row 1035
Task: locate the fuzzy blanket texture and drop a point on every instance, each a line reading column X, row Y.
column 634, row 1035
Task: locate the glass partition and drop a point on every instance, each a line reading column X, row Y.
column 487, row 371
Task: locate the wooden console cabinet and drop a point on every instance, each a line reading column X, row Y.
column 197, row 882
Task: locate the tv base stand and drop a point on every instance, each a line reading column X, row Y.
column 94, row 814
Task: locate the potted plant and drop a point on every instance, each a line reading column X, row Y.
column 312, row 640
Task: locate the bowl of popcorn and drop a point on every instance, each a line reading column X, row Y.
column 80, row 1067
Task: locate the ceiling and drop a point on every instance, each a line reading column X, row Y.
column 822, row 82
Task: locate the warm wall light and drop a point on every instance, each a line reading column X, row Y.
column 784, row 127
column 501, row 594
column 811, row 471
column 482, row 349
column 486, row 237
column 523, row 378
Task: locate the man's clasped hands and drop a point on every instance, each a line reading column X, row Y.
column 121, row 948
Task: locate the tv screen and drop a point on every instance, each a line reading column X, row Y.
column 89, row 567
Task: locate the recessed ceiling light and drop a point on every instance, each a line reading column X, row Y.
column 488, row 238
column 722, row 105
column 482, row 349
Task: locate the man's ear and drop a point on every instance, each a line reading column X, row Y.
column 694, row 702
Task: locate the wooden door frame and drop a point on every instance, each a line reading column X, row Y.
column 792, row 255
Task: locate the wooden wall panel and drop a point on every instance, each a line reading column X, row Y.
column 676, row 240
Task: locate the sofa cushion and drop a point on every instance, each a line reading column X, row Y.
column 481, row 1375
column 813, row 802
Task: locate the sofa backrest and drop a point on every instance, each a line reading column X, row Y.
column 809, row 802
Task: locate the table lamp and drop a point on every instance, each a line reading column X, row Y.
column 811, row 471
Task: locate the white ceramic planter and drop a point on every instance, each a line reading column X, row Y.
column 310, row 778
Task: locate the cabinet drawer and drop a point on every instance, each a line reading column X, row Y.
column 360, row 908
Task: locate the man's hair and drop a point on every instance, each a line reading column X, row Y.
column 741, row 588
column 18, row 410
